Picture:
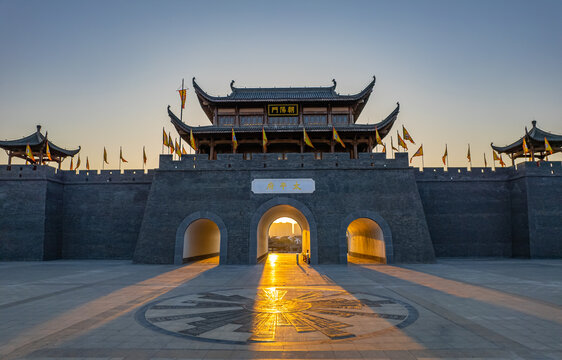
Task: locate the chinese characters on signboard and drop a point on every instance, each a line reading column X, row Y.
column 283, row 110
column 283, row 186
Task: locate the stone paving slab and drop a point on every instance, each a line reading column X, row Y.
column 464, row 309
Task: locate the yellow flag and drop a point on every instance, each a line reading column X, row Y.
column 392, row 145
column 501, row 161
column 407, row 135
column 170, row 143
column 121, row 156
column 164, row 138
column 77, row 163
column 234, row 141
column 401, row 142
column 264, row 139
column 192, row 140
column 336, row 137
column 525, row 147
column 496, row 157
column 87, row 163
column 105, row 156
column 306, row 138
column 29, row 154
column 547, row 146
column 444, row 158
column 418, row 153
column 183, row 93
column 378, row 137
column 48, row 151
column 178, row 150
column 144, row 155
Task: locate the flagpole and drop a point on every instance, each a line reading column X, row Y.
column 423, row 166
column 181, row 110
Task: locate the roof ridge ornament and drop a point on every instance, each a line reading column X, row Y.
column 232, row 85
column 534, row 122
column 335, row 83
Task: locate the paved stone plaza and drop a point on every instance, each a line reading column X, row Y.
column 455, row 309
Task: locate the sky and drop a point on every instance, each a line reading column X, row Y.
column 101, row 73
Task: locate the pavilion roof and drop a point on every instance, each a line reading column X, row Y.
column 36, row 142
column 534, row 139
column 383, row 127
column 254, row 96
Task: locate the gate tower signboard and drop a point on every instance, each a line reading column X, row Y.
column 283, row 186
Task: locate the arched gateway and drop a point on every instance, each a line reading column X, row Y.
column 201, row 235
column 272, row 210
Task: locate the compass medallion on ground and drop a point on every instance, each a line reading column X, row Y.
column 271, row 314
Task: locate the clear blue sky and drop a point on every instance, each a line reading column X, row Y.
column 101, row 73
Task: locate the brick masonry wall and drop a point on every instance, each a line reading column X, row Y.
column 343, row 186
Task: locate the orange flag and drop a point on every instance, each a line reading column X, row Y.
column 407, row 135
column 234, row 141
column 306, row 138
column 105, row 156
column 192, row 140
column 87, row 163
column 71, row 163
column 121, row 155
column 183, row 152
column 378, row 137
column 525, row 147
column 501, row 161
column 264, row 139
column 336, row 137
column 177, row 149
column 401, row 142
column 418, row 153
column 547, row 146
column 48, row 151
column 77, row 163
column 445, row 155
column 468, row 154
column 165, row 138
column 29, row 154
column 183, row 95
column 170, row 143
column 144, row 155
column 392, row 145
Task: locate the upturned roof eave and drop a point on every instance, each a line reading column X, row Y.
column 535, row 136
column 37, row 140
column 217, row 100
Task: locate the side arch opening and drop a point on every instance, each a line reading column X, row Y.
column 365, row 242
column 201, row 235
column 201, row 241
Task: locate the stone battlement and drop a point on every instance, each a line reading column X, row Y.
column 33, row 172
column 274, row 161
column 549, row 168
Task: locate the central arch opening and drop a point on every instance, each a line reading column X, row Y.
column 274, row 228
column 285, row 236
column 201, row 241
column 365, row 242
